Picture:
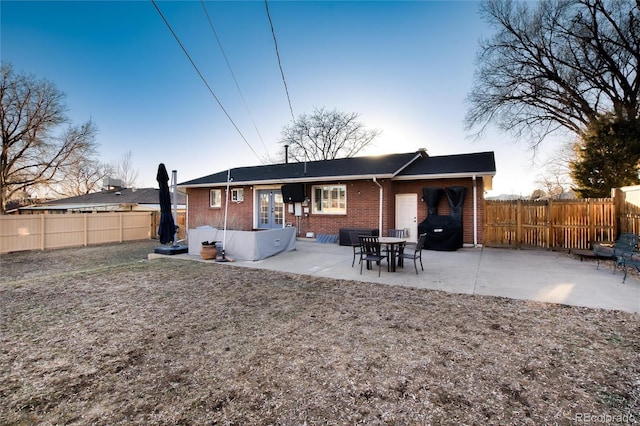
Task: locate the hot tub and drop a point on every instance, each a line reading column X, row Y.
column 245, row 245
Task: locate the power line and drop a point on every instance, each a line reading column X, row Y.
column 204, row 80
column 233, row 75
column 275, row 42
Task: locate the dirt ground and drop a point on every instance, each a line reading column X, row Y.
column 100, row 335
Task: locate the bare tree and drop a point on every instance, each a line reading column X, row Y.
column 83, row 175
column 326, row 135
column 33, row 154
column 556, row 65
column 554, row 179
column 123, row 169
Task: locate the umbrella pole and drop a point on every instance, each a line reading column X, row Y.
column 174, row 183
column 226, row 208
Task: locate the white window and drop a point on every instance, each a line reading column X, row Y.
column 215, row 198
column 237, row 195
column 330, row 199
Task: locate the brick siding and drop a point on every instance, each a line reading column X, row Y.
column 362, row 208
column 402, row 187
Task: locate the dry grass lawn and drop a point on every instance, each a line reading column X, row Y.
column 100, row 335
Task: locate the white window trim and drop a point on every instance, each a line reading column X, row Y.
column 237, row 195
column 327, row 188
column 211, row 198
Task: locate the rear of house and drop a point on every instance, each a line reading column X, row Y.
column 323, row 197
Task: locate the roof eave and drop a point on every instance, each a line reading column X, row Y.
column 444, row 176
column 290, row 180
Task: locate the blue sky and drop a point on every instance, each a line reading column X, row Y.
column 405, row 67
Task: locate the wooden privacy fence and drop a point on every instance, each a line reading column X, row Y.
column 550, row 224
column 627, row 201
column 45, row 231
column 181, row 221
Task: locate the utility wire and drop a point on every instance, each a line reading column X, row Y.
column 205, row 81
column 275, row 42
column 233, row 75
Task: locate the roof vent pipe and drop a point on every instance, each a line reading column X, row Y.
column 286, row 154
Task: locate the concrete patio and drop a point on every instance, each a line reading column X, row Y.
column 536, row 275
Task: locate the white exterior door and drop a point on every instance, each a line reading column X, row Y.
column 407, row 214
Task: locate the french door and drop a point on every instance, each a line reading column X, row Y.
column 270, row 209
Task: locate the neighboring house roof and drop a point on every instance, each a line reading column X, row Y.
column 110, row 200
column 414, row 165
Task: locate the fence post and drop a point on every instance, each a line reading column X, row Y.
column 591, row 226
column 154, row 224
column 518, row 223
column 120, row 221
column 549, row 226
column 618, row 210
column 85, row 230
column 42, row 233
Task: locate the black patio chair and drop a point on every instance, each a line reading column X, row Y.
column 417, row 254
column 370, row 252
column 399, row 249
column 396, row 233
column 622, row 248
column 626, row 253
column 354, row 241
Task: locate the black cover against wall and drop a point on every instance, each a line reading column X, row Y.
column 432, row 197
column 345, row 234
column 456, row 195
column 293, row 193
column 443, row 232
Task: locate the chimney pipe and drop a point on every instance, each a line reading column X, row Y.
column 286, row 154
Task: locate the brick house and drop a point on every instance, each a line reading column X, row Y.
column 322, row 197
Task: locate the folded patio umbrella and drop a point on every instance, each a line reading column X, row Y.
column 167, row 227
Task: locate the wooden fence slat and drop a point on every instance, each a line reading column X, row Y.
column 557, row 224
column 45, row 231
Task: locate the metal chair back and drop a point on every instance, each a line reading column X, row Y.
column 396, row 233
column 422, row 239
column 417, row 254
column 369, row 245
column 370, row 251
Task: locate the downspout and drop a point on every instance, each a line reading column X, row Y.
column 186, row 213
column 226, row 209
column 475, row 212
column 380, row 206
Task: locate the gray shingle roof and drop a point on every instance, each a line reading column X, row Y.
column 385, row 166
column 461, row 164
column 122, row 196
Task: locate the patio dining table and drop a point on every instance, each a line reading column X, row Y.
column 393, row 243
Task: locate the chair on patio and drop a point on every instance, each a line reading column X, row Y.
column 626, row 253
column 355, row 243
column 622, row 248
column 395, row 233
column 629, row 259
column 417, row 254
column 370, row 252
